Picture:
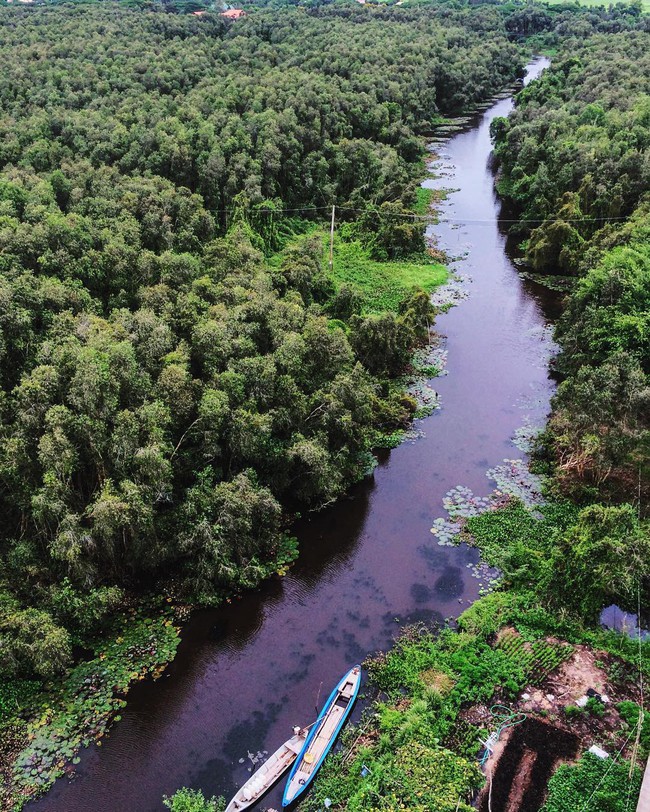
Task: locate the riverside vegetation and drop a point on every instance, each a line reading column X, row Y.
column 573, row 161
column 179, row 372
column 175, row 359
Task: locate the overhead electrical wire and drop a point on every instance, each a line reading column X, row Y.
column 432, row 218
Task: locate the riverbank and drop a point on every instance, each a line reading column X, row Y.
column 43, row 728
column 226, row 693
column 523, row 665
column 507, row 669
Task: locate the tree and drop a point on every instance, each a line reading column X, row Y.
column 604, row 558
column 228, row 528
column 382, row 342
column 193, row 800
column 32, row 644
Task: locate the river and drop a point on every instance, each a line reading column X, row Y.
column 247, row 672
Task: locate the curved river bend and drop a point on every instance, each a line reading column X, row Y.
column 247, row 672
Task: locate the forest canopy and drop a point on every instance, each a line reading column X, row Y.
column 574, row 159
column 176, row 374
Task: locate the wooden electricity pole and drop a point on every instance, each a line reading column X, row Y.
column 332, row 241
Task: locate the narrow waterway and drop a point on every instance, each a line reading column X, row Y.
column 246, row 673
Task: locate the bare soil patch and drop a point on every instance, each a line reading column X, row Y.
column 531, row 752
column 526, row 755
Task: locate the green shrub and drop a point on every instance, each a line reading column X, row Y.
column 593, row 784
column 193, row 800
column 630, row 713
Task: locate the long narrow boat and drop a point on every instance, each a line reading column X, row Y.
column 322, row 735
column 264, row 778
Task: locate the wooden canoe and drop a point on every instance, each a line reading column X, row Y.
column 264, row 778
column 322, row 735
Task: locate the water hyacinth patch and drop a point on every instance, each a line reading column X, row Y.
column 461, row 502
column 488, row 577
column 554, row 282
column 452, row 292
column 431, row 361
column 412, row 434
column 426, row 363
column 546, row 347
column 426, row 396
column 513, row 480
column 446, row 531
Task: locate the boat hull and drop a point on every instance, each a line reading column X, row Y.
column 322, row 735
column 263, row 779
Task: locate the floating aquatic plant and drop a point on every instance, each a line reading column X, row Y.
column 514, row 478
column 426, row 397
column 452, row 292
column 462, row 502
column 431, row 361
column 526, row 435
column 446, row 531
column 89, row 701
column 412, row 434
column 542, row 335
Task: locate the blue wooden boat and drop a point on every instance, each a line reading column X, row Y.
column 322, row 735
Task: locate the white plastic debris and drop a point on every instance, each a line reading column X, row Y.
column 598, row 751
column 550, row 697
column 525, row 697
column 582, row 701
column 604, row 699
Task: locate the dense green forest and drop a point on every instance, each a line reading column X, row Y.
column 573, row 162
column 574, row 158
column 180, row 372
column 177, row 370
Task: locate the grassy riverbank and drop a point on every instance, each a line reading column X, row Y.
column 418, row 746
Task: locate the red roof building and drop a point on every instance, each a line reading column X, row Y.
column 233, row 13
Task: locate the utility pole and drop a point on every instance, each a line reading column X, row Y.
column 332, row 241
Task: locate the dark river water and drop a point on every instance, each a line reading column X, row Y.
column 247, row 672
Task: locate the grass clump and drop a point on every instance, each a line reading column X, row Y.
column 383, row 285
column 424, row 199
column 437, row 682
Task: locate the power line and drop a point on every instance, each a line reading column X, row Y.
column 429, row 218
column 606, row 773
column 469, row 221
